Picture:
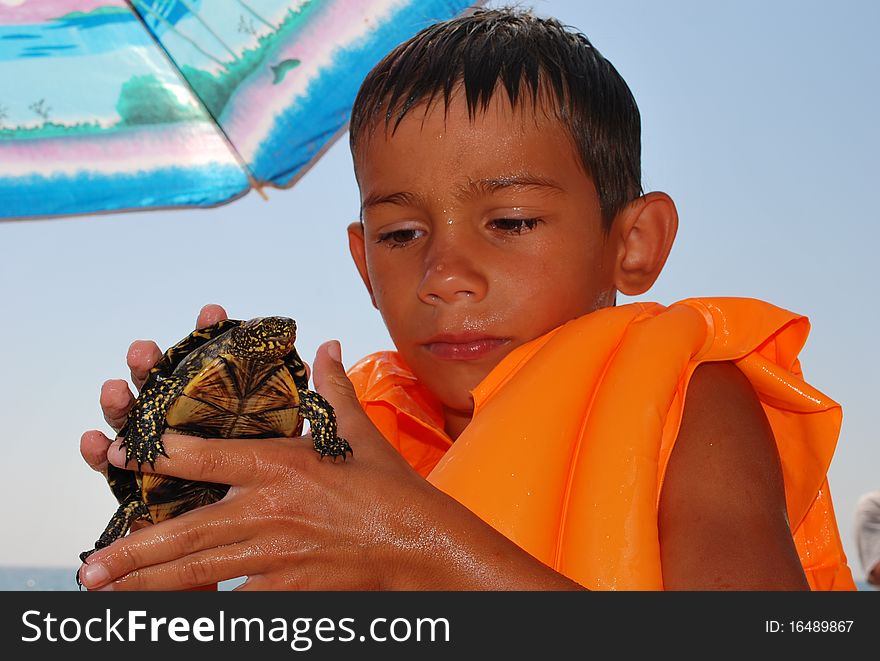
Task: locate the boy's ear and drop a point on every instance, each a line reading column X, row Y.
column 646, row 229
column 359, row 255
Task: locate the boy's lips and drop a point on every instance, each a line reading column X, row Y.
column 464, row 346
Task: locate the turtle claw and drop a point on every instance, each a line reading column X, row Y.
column 339, row 447
column 82, row 558
column 143, row 451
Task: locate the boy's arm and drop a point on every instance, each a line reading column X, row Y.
column 722, row 513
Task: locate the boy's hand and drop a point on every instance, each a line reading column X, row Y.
column 295, row 521
column 116, row 398
column 291, row 519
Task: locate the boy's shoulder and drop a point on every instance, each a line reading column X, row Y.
column 724, row 484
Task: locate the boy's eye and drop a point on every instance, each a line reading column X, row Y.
column 399, row 238
column 514, row 225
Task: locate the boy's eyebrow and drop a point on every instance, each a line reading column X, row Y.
column 494, row 184
column 402, row 198
column 474, row 187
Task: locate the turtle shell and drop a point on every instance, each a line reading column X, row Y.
column 235, row 379
column 239, row 397
column 229, row 395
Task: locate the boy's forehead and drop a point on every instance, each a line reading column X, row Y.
column 447, row 158
column 501, row 127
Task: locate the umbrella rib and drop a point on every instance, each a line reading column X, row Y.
column 152, row 12
column 258, row 17
column 205, row 25
column 255, row 184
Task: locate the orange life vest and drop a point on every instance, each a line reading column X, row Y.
column 572, row 432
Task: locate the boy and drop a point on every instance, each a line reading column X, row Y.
column 552, row 440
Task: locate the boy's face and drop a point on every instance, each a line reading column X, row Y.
column 478, row 236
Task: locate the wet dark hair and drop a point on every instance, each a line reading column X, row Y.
column 558, row 66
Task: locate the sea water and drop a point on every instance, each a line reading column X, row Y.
column 57, row 579
column 64, row 579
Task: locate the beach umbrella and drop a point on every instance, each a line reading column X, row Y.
column 111, row 105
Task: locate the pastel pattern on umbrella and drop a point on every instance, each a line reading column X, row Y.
column 112, row 105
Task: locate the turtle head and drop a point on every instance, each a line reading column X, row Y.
column 264, row 338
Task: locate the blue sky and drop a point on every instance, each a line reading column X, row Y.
column 758, row 118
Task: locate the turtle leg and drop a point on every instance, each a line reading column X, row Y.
column 119, row 525
column 142, row 439
column 143, row 433
column 322, row 424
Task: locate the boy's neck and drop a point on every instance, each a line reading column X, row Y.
column 455, row 422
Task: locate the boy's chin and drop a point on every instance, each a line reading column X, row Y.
column 455, row 392
column 453, row 381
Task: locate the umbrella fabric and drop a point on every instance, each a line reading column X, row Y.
column 109, row 105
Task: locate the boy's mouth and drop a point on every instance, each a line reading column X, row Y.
column 464, row 346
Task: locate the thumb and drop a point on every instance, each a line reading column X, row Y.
column 354, row 424
column 333, row 384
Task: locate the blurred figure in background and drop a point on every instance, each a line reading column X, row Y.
column 867, row 527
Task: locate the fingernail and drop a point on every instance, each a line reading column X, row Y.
column 137, row 349
column 334, row 350
column 115, row 454
column 206, row 309
column 93, row 575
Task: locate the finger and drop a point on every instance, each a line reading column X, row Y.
column 331, row 380
column 210, row 314
column 197, row 570
column 187, row 574
column 237, row 462
column 142, row 355
column 334, row 385
column 93, row 446
column 145, row 555
column 204, row 528
column 116, row 400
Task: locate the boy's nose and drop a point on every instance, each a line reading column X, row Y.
column 450, row 279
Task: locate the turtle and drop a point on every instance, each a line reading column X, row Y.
column 233, row 379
